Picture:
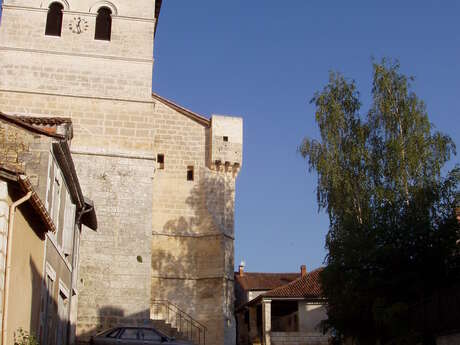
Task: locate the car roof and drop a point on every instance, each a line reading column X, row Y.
column 133, row 327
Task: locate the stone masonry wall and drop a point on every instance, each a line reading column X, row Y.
column 182, row 230
column 192, row 221
column 24, row 151
column 75, row 64
column 192, row 248
column 114, row 282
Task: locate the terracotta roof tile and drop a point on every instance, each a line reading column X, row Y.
column 264, row 281
column 31, row 124
column 44, row 121
column 304, row 287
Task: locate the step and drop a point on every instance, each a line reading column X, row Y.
column 167, row 329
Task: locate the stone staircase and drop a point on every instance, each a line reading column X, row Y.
column 169, row 330
column 172, row 321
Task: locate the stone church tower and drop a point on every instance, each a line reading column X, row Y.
column 162, row 177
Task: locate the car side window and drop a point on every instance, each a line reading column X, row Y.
column 113, row 334
column 150, row 334
column 130, row 333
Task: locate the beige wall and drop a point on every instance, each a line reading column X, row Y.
column 26, row 273
column 77, row 63
column 254, row 294
column 310, row 317
column 114, row 287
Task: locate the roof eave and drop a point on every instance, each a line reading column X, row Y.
column 18, row 177
column 188, row 113
column 19, row 123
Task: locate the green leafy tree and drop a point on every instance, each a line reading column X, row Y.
column 392, row 226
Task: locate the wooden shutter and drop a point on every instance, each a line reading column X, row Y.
column 69, row 226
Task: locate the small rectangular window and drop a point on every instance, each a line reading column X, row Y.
column 225, row 138
column 190, row 173
column 161, row 161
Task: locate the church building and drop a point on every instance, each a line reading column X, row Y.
column 162, row 177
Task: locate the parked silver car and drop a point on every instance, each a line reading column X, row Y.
column 134, row 336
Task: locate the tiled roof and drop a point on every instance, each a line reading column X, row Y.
column 18, row 176
column 308, row 286
column 45, row 121
column 264, row 281
column 31, row 124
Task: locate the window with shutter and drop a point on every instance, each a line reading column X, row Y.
column 49, row 185
column 69, row 223
column 56, row 199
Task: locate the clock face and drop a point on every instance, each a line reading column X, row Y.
column 78, row 25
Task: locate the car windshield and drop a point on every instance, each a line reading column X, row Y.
column 107, row 331
column 130, row 333
column 150, row 334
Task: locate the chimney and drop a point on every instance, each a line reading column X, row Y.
column 241, row 268
column 303, row 271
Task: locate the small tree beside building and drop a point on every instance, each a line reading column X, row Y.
column 392, row 234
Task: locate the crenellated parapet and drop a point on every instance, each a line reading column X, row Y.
column 226, row 151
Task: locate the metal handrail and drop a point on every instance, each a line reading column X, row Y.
column 180, row 320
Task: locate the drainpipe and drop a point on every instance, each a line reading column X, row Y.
column 9, row 243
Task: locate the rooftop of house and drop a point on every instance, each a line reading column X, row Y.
column 264, row 281
column 307, row 286
column 15, row 175
column 61, row 131
column 56, row 127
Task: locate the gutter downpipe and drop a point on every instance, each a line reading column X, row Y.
column 9, row 244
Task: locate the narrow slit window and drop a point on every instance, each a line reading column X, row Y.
column 190, row 173
column 225, row 138
column 161, row 161
column 54, row 20
column 103, row 30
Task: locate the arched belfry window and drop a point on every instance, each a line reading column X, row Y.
column 103, row 24
column 54, row 19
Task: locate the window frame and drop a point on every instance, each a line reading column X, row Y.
column 161, row 161
column 106, row 34
column 49, row 29
column 190, row 173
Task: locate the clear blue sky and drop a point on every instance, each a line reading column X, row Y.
column 263, row 60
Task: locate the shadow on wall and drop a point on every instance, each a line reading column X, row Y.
column 209, row 206
column 114, row 317
column 49, row 320
column 195, row 250
column 191, row 245
column 177, row 261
